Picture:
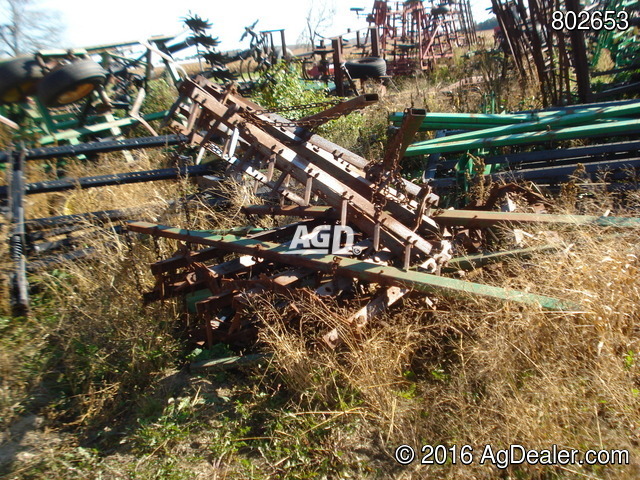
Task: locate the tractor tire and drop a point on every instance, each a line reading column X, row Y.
column 440, row 10
column 18, row 79
column 368, row 67
column 70, row 83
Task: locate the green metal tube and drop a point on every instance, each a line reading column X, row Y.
column 562, row 121
column 474, row 129
column 475, row 118
column 471, row 262
column 467, row 121
column 570, row 133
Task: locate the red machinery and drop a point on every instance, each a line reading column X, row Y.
column 411, row 36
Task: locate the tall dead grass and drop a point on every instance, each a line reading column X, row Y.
column 478, row 372
column 90, row 346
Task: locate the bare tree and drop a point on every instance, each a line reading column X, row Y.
column 319, row 18
column 28, row 27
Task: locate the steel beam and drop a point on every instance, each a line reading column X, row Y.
column 480, row 219
column 99, row 147
column 470, row 262
column 343, row 108
column 292, row 211
column 114, row 179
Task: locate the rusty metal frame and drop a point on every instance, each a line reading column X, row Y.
column 337, row 181
column 383, row 275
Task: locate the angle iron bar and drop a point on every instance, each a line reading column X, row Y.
column 181, row 261
column 292, row 211
column 343, row 108
column 383, row 275
column 470, row 262
column 479, row 219
column 301, row 133
column 398, row 144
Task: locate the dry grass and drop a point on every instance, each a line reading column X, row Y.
column 89, row 334
column 477, row 373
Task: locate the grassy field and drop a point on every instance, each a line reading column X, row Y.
column 94, row 385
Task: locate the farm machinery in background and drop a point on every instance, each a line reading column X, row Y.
column 411, row 36
column 578, row 53
column 398, row 240
column 77, row 103
column 402, row 38
column 63, row 95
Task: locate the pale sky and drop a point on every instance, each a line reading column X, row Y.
column 111, row 21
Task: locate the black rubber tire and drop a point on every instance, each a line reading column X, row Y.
column 19, row 78
column 70, row 83
column 440, row 10
column 367, row 67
